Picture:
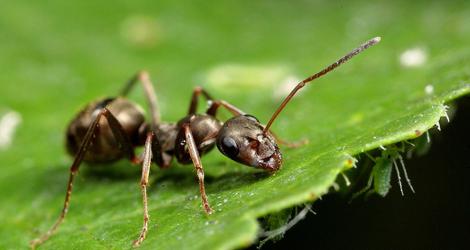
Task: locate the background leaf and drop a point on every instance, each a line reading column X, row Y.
column 58, row 56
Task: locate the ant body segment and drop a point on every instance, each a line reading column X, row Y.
column 110, row 129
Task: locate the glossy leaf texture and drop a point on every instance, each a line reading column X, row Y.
column 58, row 56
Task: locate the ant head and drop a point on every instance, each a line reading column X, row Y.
column 242, row 139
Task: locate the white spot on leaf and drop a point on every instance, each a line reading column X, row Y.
column 140, row 31
column 8, row 124
column 429, row 89
column 413, row 57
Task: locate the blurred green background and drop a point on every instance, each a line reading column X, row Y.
column 56, row 56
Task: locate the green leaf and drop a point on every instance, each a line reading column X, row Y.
column 58, row 56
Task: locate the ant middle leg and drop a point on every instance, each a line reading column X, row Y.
column 151, row 145
column 162, row 159
column 149, row 92
column 146, row 162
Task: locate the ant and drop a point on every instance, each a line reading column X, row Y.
column 242, row 138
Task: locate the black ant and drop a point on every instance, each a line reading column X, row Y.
column 241, row 138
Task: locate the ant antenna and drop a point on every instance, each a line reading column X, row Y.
column 324, row 71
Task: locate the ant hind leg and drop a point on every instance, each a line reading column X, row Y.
column 121, row 136
column 73, row 171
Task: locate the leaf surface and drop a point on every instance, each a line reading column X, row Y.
column 63, row 55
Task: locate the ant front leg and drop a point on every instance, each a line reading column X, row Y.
column 197, row 165
column 146, row 162
column 214, row 104
column 212, row 110
column 295, row 144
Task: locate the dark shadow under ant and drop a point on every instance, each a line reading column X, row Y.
column 110, row 129
column 119, row 172
column 231, row 180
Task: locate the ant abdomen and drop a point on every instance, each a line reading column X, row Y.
column 105, row 147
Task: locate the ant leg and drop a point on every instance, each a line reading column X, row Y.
column 73, row 171
column 149, row 92
column 195, row 97
column 215, row 104
column 121, row 136
column 198, row 165
column 212, row 110
column 162, row 159
column 147, row 161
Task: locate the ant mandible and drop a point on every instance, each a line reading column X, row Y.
column 241, row 138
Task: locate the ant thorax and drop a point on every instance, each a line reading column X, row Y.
column 204, row 129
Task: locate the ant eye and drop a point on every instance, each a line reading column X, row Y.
column 229, row 146
column 252, row 118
